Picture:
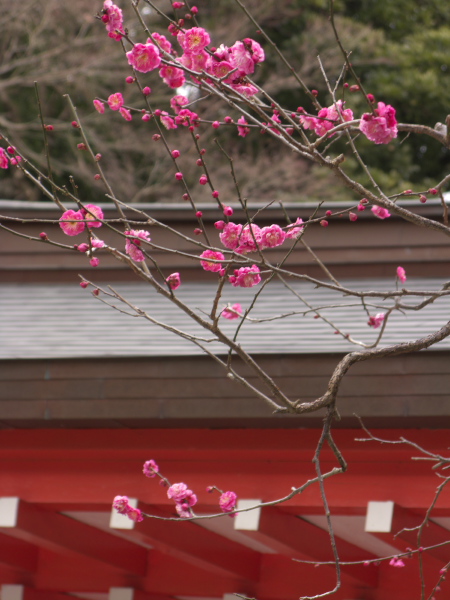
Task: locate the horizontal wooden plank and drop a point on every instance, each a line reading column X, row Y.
column 188, row 367
column 162, row 388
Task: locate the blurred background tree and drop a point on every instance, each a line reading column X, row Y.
column 400, row 49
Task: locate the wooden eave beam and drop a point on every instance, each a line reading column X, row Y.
column 197, row 546
column 18, row 554
column 294, row 537
column 47, row 529
column 404, row 530
column 166, row 575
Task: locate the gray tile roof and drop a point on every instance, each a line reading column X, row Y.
column 65, row 321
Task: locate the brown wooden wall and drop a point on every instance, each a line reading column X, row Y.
column 404, row 391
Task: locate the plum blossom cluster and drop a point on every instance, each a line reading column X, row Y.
column 327, row 118
column 230, row 64
column 133, row 243
column 75, row 222
column 246, row 277
column 244, row 239
column 112, row 17
column 249, row 238
column 396, row 562
column 116, row 103
column 233, row 65
column 123, row 507
column 9, row 157
column 183, row 497
column 380, row 126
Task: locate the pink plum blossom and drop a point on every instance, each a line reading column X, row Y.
column 249, row 239
column 207, row 264
column 123, row 507
column 294, row 230
column 135, row 514
column 90, row 212
column 255, row 49
column 275, row 119
column 376, row 321
column 172, row 76
column 115, row 101
column 174, row 281
column 227, row 501
column 396, row 562
column 125, row 113
column 162, row 41
column 167, row 121
column 97, row 243
column 94, row 262
column 196, row 62
column 194, row 40
column 144, row 57
column 222, row 52
column 327, row 118
column 183, row 511
column 177, row 103
column 246, row 277
column 177, row 492
column 230, row 235
column 99, row 106
column 241, row 59
column 190, row 499
column 134, row 237
column 4, row 164
column 186, row 118
column 243, row 56
column 401, row 274
column 220, row 69
column 380, row 212
column 380, row 127
column 232, row 313
column 150, row 468
column 113, row 19
column 74, row 222
column 308, row 122
column 245, row 88
column 272, row 236
column 242, row 130
column 121, row 504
